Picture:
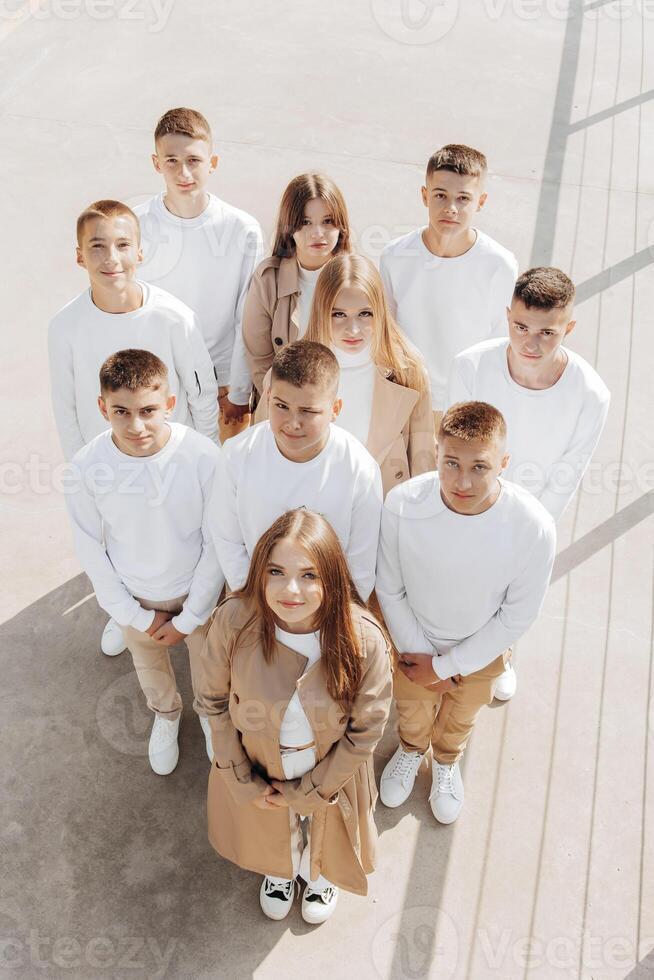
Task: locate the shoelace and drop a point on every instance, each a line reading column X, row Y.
column 446, row 779
column 325, row 896
column 406, row 763
column 164, row 733
column 279, row 888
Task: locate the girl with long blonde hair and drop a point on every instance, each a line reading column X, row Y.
column 384, row 384
column 297, row 688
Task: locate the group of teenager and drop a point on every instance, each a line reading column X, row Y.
column 337, row 485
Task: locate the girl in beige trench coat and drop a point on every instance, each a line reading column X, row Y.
column 297, row 687
column 312, row 225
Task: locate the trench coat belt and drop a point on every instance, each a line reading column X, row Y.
column 297, row 748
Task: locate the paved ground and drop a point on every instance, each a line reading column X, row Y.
column 550, row 871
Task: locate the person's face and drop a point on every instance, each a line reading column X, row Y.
column 138, row 418
column 468, row 473
column 317, row 237
column 452, row 201
column 109, row 251
column 536, row 335
column 184, row 163
column 352, row 320
column 294, row 590
column 300, row 417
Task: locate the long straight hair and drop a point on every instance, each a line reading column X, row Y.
column 301, row 190
column 340, row 646
column 390, row 349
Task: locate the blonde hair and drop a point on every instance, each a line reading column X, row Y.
column 339, row 644
column 301, row 190
column 390, row 348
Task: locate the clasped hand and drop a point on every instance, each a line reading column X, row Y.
column 162, row 630
column 418, row 668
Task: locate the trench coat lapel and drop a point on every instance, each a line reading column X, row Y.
column 392, row 405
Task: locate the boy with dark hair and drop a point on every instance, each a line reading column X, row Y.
column 203, row 251
column 139, row 516
column 449, row 283
column 464, row 562
column 555, row 404
column 298, row 459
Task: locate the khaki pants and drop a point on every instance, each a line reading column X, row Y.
column 228, row 429
column 153, row 667
column 444, row 720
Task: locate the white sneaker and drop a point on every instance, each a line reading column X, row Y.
column 317, row 906
column 206, row 728
column 276, row 896
column 163, row 750
column 446, row 797
column 398, row 777
column 506, row 684
column 112, row 642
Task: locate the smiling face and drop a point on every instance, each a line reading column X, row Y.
column 352, row 320
column 300, row 417
column 138, row 418
column 535, row 336
column 468, row 472
column 317, row 237
column 293, row 589
column 452, row 201
column 110, row 252
column 185, row 164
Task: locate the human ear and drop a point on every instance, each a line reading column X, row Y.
column 482, row 200
column 171, row 401
column 139, row 255
column 79, row 258
column 570, row 327
column 213, row 162
column 336, row 407
column 505, row 462
column 155, row 163
column 103, row 408
column 425, row 199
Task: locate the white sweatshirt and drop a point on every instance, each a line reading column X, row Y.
column 140, row 527
column 447, row 304
column 255, row 484
column 551, row 433
column 307, row 279
column 464, row 587
column 207, row 262
column 356, row 387
column 81, row 337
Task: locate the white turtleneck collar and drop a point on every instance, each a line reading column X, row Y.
column 357, row 358
column 356, row 388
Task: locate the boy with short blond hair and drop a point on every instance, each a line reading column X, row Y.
column 119, row 311
column 464, row 562
column 203, row 251
column 449, row 283
column 139, row 514
column 298, row 459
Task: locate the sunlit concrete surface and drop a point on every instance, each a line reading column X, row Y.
column 549, row 872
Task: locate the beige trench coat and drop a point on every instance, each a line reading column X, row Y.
column 270, row 314
column 401, row 436
column 245, row 699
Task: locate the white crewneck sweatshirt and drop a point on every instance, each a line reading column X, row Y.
column 355, row 387
column 295, row 729
column 447, row 304
column 81, row 337
column 140, row 526
column 255, row 484
column 462, row 587
column 207, row 262
column 307, row 279
column 551, row 433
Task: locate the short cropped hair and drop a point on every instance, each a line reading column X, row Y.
column 133, row 369
column 185, row 122
column 106, row 209
column 306, row 362
column 473, row 420
column 544, row 288
column 458, row 159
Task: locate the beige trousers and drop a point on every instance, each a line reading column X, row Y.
column 153, row 667
column 228, row 429
column 444, row 720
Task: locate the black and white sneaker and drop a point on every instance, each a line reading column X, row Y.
column 317, row 906
column 276, row 896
